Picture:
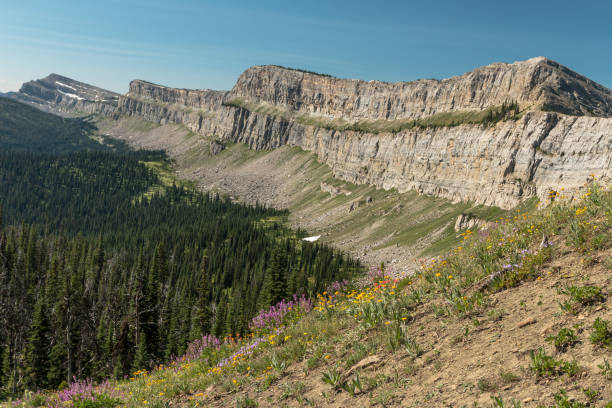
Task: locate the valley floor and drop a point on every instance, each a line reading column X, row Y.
column 371, row 224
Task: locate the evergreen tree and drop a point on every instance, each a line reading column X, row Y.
column 141, row 357
column 36, row 357
column 220, row 315
column 204, row 314
column 127, row 284
column 274, row 289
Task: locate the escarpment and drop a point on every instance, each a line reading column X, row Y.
column 498, row 163
column 495, row 135
column 535, row 83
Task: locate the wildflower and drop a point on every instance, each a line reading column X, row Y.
column 327, row 356
column 450, row 276
column 387, row 322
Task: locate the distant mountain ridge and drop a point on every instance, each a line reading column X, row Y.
column 63, row 95
column 450, row 138
column 537, row 83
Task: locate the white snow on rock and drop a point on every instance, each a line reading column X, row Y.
column 64, row 85
column 70, row 95
column 312, row 239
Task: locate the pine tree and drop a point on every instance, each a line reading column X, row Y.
column 57, row 364
column 219, row 326
column 204, row 314
column 37, row 349
column 141, row 357
column 122, row 352
column 171, row 339
column 274, row 288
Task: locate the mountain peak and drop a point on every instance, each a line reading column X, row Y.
column 63, row 95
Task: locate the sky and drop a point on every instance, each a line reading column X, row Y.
column 207, row 44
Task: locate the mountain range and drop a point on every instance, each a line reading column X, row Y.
column 496, row 136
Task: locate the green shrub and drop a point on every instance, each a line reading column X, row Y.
column 498, row 402
column 591, row 394
column 564, row 339
column 508, row 376
column 581, row 296
column 485, row 385
column 585, row 295
column 563, row 401
column 602, row 333
column 246, row 402
column 544, row 365
column 606, row 369
column 332, row 377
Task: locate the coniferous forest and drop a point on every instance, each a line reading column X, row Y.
column 106, row 269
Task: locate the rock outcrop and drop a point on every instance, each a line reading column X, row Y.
column 498, row 164
column 65, row 96
column 535, row 83
column 466, row 222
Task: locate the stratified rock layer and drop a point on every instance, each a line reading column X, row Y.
column 563, row 136
column 62, row 95
column 535, row 83
column 497, row 165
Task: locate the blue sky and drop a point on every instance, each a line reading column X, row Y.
column 207, row 44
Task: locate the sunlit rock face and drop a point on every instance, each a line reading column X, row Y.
column 562, row 137
column 65, row 96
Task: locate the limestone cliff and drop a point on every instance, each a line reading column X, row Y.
column 65, row 96
column 534, row 83
column 495, row 164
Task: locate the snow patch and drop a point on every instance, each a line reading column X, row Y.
column 64, row 85
column 312, row 239
column 71, row 95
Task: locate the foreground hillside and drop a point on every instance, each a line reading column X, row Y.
column 516, row 316
column 109, row 264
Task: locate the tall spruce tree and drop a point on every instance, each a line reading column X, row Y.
column 203, row 313
column 37, row 349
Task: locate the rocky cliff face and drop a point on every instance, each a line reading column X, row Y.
column 65, row 96
column 494, row 165
column 534, row 83
column 189, row 98
column 498, row 164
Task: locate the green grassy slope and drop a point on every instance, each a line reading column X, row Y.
column 516, row 316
